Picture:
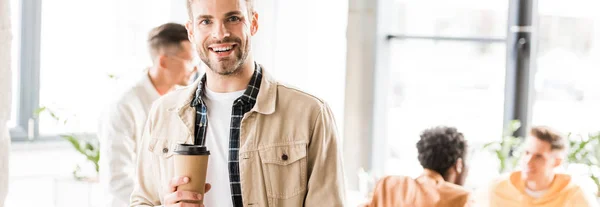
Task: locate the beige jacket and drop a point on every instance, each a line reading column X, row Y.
column 428, row 190
column 283, row 121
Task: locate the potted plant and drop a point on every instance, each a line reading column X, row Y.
column 585, row 151
column 87, row 147
column 506, row 150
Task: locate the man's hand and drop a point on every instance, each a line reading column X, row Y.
column 175, row 198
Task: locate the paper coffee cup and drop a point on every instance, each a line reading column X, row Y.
column 191, row 161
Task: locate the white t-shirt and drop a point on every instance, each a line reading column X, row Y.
column 217, row 141
column 535, row 194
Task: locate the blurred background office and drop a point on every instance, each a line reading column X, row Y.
column 388, row 68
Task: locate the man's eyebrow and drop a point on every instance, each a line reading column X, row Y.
column 205, row 16
column 231, row 13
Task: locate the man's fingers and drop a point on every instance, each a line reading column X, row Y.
column 188, row 205
column 207, row 187
column 177, row 181
column 182, row 196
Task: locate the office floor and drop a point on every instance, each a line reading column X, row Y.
column 41, row 175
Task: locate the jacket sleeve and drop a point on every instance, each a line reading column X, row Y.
column 583, row 199
column 469, row 200
column 117, row 145
column 145, row 191
column 4, row 157
column 325, row 173
column 380, row 195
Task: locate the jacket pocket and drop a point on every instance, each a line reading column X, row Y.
column 284, row 169
column 163, row 148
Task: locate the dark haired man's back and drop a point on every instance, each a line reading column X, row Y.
column 427, row 190
column 442, row 152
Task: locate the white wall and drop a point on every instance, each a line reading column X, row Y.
column 178, row 11
column 303, row 43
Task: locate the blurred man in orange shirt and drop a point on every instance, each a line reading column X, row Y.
column 442, row 152
column 537, row 185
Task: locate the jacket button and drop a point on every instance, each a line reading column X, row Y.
column 165, row 150
column 284, row 157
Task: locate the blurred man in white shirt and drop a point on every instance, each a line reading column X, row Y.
column 122, row 123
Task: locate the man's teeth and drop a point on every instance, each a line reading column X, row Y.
column 222, row 49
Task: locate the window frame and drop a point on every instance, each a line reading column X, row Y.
column 29, row 72
column 520, row 73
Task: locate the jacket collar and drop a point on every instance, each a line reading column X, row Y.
column 267, row 95
column 265, row 100
column 560, row 183
column 433, row 175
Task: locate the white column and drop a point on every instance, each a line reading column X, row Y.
column 366, row 88
column 5, row 95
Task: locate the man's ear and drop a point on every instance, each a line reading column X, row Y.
column 254, row 23
column 459, row 166
column 558, row 161
column 190, row 30
column 162, row 61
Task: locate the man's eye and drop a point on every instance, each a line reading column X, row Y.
column 206, row 21
column 234, row 19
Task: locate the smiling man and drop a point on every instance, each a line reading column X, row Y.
column 537, row 184
column 271, row 144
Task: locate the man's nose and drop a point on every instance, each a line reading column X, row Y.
column 528, row 160
column 220, row 31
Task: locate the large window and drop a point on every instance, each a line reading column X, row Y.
column 464, row 18
column 82, row 43
column 566, row 82
column 447, row 67
column 82, row 48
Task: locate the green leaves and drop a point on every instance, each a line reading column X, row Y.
column 507, row 150
column 584, row 151
column 89, row 148
column 86, row 148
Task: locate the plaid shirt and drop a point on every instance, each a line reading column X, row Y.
column 240, row 106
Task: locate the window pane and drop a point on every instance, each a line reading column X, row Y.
column 15, row 21
column 443, row 83
column 485, row 18
column 566, row 82
column 81, row 47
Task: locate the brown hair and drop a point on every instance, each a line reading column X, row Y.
column 249, row 4
column 556, row 140
column 166, row 35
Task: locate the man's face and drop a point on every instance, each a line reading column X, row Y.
column 181, row 64
column 538, row 160
column 221, row 31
